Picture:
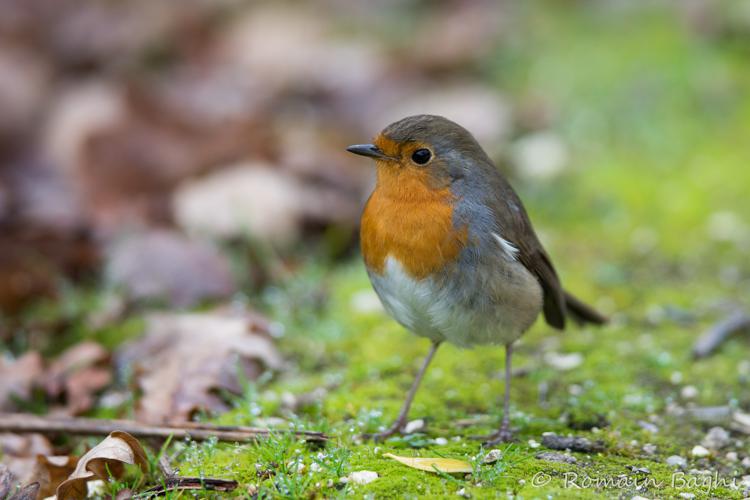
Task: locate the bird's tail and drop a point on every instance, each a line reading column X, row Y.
column 583, row 313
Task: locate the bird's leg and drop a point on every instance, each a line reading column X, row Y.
column 401, row 420
column 504, row 434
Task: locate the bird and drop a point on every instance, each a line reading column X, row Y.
column 451, row 252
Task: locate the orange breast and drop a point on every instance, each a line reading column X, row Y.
column 410, row 220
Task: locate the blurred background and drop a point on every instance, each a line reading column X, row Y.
column 183, row 155
column 191, row 152
column 138, row 137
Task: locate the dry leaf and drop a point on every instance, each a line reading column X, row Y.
column 78, row 374
column 18, row 378
column 50, row 472
column 447, row 465
column 164, row 265
column 108, row 457
column 185, row 360
column 260, row 200
column 248, row 198
column 32, row 257
column 24, row 81
column 28, row 492
column 7, row 480
column 19, row 452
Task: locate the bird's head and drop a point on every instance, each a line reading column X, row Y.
column 431, row 148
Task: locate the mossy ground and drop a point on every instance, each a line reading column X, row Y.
column 649, row 225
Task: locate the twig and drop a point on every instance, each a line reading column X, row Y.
column 709, row 341
column 24, row 423
column 190, row 483
column 165, row 467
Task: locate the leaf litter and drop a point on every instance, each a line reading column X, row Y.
column 184, row 362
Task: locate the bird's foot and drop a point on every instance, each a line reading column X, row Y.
column 396, row 428
column 504, row 435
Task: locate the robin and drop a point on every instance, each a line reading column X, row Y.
column 450, row 250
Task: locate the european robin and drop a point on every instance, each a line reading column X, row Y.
column 450, row 250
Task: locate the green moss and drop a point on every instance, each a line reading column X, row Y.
column 656, row 131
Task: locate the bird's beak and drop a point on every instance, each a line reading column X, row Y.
column 369, row 150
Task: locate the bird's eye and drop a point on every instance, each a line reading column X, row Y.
column 421, row 156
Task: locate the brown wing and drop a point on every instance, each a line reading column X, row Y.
column 515, row 226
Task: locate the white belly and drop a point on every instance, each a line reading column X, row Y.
column 435, row 310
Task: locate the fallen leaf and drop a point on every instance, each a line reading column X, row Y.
column 107, row 458
column 19, row 452
column 248, row 198
column 51, row 471
column 7, row 480
column 447, row 465
column 33, row 257
column 28, row 492
column 24, row 81
column 293, row 48
column 77, row 375
column 18, row 378
column 185, row 361
column 165, row 265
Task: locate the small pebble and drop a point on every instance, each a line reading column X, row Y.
column 700, row 451
column 360, row 477
column 687, row 495
column 716, row 438
column 414, row 426
column 648, row 426
column 746, row 462
column 551, row 456
column 315, row 467
column 563, row 362
column 492, row 456
column 677, row 461
column 463, row 493
column 649, row 449
column 676, row 378
column 573, row 443
column 639, row 470
column 637, row 497
column 441, row 441
column 533, row 444
column 689, row 392
column 732, row 456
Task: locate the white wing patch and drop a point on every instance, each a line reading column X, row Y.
column 509, row 249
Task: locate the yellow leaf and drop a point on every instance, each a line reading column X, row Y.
column 447, row 465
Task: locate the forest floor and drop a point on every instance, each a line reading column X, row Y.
column 649, row 224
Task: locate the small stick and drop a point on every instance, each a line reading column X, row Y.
column 25, row 423
column 709, row 341
column 191, row 483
